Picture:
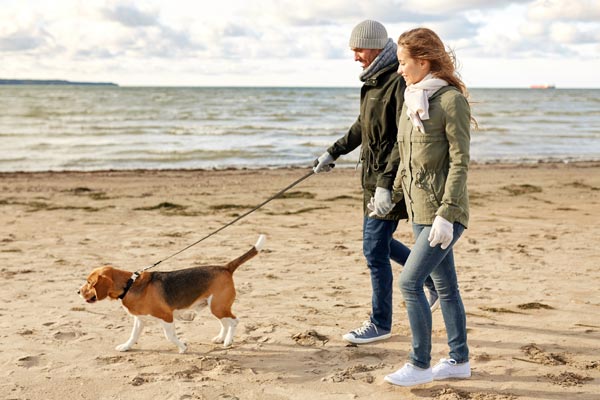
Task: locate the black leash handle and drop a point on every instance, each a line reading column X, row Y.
column 291, row 185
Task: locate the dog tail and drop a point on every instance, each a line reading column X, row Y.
column 233, row 265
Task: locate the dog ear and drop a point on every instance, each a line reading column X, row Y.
column 103, row 286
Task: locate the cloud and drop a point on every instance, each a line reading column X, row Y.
column 131, row 16
column 553, row 10
column 261, row 37
column 25, row 40
column 333, row 12
column 240, row 30
column 445, row 7
column 569, row 33
column 145, row 34
column 454, row 28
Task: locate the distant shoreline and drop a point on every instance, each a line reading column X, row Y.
column 52, row 82
column 59, row 82
column 158, row 171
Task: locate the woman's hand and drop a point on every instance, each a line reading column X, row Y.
column 442, row 232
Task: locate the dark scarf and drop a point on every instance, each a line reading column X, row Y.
column 387, row 57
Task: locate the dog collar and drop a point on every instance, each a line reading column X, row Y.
column 129, row 283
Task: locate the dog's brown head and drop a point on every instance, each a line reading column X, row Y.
column 99, row 285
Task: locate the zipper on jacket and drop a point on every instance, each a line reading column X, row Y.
column 410, row 172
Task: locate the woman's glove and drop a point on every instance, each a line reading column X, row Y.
column 324, row 163
column 442, row 232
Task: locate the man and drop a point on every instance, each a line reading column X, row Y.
column 381, row 100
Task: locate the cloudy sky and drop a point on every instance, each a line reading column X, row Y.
column 290, row 42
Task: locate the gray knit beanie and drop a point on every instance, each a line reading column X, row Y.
column 368, row 34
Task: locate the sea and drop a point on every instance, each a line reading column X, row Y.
column 86, row 128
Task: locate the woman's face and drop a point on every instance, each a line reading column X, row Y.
column 413, row 70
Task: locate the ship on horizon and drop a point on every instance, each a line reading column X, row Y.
column 543, row 86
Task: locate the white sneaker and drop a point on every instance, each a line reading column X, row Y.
column 409, row 375
column 448, row 368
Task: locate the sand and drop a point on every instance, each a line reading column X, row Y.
column 527, row 265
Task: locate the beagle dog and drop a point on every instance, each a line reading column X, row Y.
column 160, row 294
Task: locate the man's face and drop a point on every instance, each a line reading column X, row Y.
column 365, row 56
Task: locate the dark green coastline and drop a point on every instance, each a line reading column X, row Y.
column 52, row 82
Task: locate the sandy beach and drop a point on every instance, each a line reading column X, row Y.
column 527, row 266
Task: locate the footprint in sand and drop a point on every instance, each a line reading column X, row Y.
column 66, row 336
column 538, row 355
column 226, row 367
column 139, row 380
column 453, row 394
column 310, row 338
column 482, row 357
column 28, row 361
column 111, row 359
column 534, row 306
column 188, row 374
column 360, row 372
column 185, row 315
column 567, row 379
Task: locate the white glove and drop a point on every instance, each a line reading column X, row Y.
column 381, row 204
column 442, row 231
column 324, row 163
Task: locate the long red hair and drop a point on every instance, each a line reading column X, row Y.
column 425, row 44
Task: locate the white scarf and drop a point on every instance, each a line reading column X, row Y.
column 416, row 98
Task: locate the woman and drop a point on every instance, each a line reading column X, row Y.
column 433, row 145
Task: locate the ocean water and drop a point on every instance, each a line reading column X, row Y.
column 95, row 128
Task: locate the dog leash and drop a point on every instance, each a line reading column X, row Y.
column 137, row 273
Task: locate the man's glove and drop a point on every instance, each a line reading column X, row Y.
column 442, row 232
column 381, row 204
column 324, row 163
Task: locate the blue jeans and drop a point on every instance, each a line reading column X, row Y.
column 422, row 262
column 379, row 247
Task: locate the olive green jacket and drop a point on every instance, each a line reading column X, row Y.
column 432, row 171
column 381, row 101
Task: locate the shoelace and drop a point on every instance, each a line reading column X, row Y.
column 366, row 326
column 450, row 361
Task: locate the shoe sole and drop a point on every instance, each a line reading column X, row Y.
column 454, row 376
column 406, row 384
column 354, row 340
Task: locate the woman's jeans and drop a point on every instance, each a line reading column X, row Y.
column 379, row 247
column 423, row 261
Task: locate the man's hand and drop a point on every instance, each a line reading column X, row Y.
column 442, row 232
column 324, row 163
column 381, row 204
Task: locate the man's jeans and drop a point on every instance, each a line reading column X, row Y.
column 379, row 247
column 423, row 261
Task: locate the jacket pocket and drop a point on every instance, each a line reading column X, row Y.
column 435, row 183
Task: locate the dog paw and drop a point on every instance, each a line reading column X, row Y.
column 183, row 348
column 123, row 347
column 227, row 344
column 218, row 339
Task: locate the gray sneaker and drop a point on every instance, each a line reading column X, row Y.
column 433, row 299
column 367, row 333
